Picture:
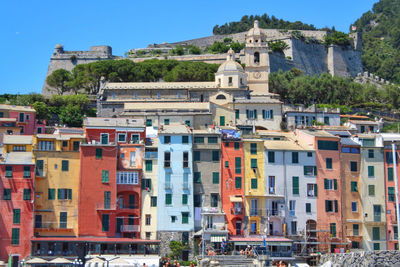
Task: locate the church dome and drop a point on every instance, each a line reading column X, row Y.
column 255, row 33
column 230, row 64
column 58, row 46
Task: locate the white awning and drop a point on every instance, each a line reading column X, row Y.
column 236, row 199
column 217, row 238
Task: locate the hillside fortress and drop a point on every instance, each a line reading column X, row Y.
column 305, row 51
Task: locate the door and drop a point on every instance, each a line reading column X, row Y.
column 38, row 221
column 274, row 208
column 76, row 146
column 254, row 207
column 121, row 202
column 377, row 213
column 238, row 227
column 271, row 229
column 222, row 120
column 120, row 222
column 133, row 159
column 15, row 261
column 131, row 201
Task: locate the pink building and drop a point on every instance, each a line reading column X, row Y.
column 25, row 117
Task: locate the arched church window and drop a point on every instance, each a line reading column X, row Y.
column 256, row 58
column 221, row 97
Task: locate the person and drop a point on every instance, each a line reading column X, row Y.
column 144, row 265
column 247, row 251
column 223, row 246
column 241, row 252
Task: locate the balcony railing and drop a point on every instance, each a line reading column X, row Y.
column 276, row 212
column 258, row 212
column 130, row 228
column 106, row 206
column 236, row 211
column 150, row 155
column 53, row 225
column 280, row 254
column 128, row 206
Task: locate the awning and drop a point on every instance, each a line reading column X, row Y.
column 60, row 261
column 95, row 240
column 36, row 261
column 236, row 199
column 217, row 238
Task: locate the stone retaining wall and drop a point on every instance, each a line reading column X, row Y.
column 363, row 258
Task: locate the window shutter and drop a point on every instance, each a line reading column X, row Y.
column 149, row 183
column 255, row 114
column 247, row 113
column 315, row 170
column 304, row 168
column 315, row 190
column 271, row 114
column 263, row 114
column 325, row 183
column 327, row 205
column 295, row 185
column 335, row 184
column 59, row 194
column 215, row 177
column 51, row 194
column 184, row 199
column 238, row 182
column 336, row 206
column 390, row 174
column 69, row 192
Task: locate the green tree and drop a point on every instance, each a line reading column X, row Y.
column 71, row 115
column 59, row 80
column 237, row 47
column 176, row 249
column 42, row 111
column 193, row 49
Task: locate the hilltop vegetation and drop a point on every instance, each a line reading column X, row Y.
column 295, row 88
column 265, row 22
column 88, row 77
column 380, row 30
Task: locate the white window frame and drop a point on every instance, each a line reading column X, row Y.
column 310, row 190
column 108, row 138
column 120, row 134
column 138, row 138
column 128, row 177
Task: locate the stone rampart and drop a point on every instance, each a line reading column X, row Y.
column 363, row 258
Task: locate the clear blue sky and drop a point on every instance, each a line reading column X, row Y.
column 31, row 29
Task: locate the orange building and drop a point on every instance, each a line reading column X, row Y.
column 232, row 180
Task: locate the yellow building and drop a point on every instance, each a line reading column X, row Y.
column 57, row 183
column 254, row 185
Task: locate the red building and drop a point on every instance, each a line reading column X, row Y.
column 16, row 203
column 110, row 180
column 232, row 180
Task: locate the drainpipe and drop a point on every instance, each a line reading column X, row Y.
column 284, row 188
column 396, row 189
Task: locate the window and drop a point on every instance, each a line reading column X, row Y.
column 63, row 220
column 27, row 194
column 327, row 145
column 226, row 164
column 238, row 182
column 46, row 145
column 376, row 233
column 167, row 139
column 75, row 146
column 222, row 120
column 64, row 193
column 253, row 163
column 105, row 222
column 215, row 155
column 236, row 145
column 310, row 170
column 51, row 193
column 197, row 177
column 390, row 174
column 104, row 137
column 309, row 154
column 39, row 168
column 371, row 153
column 149, row 165
column 295, row 185
column 16, row 216
column 295, row 157
column 148, row 219
column 127, row 177
column 65, row 143
column 391, row 195
column 326, row 120
column 197, row 201
column 330, row 184
column 312, row 190
column 19, row 148
column 187, row 123
column 213, row 140
column 153, row 201
column 328, row 162
column 238, row 165
column 9, row 171
column 271, row 182
column 168, row 199
column 167, row 159
column 184, row 199
column 395, row 232
column 64, row 165
column 105, row 176
column 333, row 229
column 356, row 229
column 353, row 166
column 107, row 199
column 185, row 217
column 199, row 140
column 185, row 159
column 15, row 236
column 267, row 114
column 196, row 155
column 215, row 177
column 371, row 171
column 121, row 137
column 173, row 219
column 254, row 183
column 308, row 207
column 331, row 205
column 371, row 190
column 253, row 148
column 292, row 206
column 354, row 207
column 271, row 156
column 185, row 139
column 214, row 200
column 99, row 153
column 166, row 121
column 293, row 227
column 377, row 246
column 353, row 186
column 256, row 58
column 21, row 117
column 236, row 114
column 149, row 122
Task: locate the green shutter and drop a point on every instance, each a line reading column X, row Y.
column 236, row 145
column 253, row 163
column 215, row 177
column 39, row 168
column 295, row 185
column 371, row 171
column 7, row 194
column 336, row 206
column 185, row 217
column 99, row 153
column 15, row 236
column 353, row 186
column 59, row 194
column 327, row 205
column 215, row 155
column 16, row 216
column 371, row 190
column 315, row 190
column 333, row 229
column 263, row 114
column 376, row 233
column 254, row 183
column 253, row 148
column 27, row 171
column 255, row 114
column 295, row 157
column 63, row 220
column 356, row 229
column 105, row 222
column 390, row 174
column 308, row 207
column 9, row 171
column 51, row 193
column 168, row 199
column 69, row 193
column 226, row 164
column 237, row 114
column 149, row 165
column 27, row 194
column 107, row 199
column 335, row 184
column 197, row 177
column 271, row 156
column 238, row 165
column 153, row 202
column 238, row 182
column 149, row 122
column 184, row 199
column 391, row 194
column 328, row 163
column 271, row 114
column 326, row 184
column 65, row 165
column 105, row 176
column 247, row 113
column 222, row 120
column 185, row 139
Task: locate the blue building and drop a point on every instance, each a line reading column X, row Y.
column 175, row 186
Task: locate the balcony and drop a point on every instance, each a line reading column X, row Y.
column 236, row 211
column 128, row 206
column 53, row 226
column 150, row 155
column 276, row 213
column 211, row 211
column 257, row 212
column 106, row 206
column 130, row 228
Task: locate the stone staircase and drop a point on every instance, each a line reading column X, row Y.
column 230, row 261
